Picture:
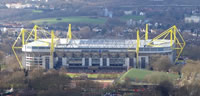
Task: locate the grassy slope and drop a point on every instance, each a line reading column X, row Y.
column 73, row 75
column 141, row 74
column 83, row 19
column 75, row 19
column 134, row 17
column 37, row 11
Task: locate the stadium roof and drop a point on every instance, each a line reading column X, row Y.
column 96, row 43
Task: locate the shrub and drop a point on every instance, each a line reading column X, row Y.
column 156, row 78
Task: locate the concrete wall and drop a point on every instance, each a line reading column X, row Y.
column 127, row 59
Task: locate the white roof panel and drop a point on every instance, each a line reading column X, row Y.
column 96, row 43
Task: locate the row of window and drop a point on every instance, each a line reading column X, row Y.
column 103, row 50
column 40, row 47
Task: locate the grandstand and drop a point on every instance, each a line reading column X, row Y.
column 97, row 55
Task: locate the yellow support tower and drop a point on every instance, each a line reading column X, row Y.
column 33, row 35
column 69, row 34
column 176, row 40
column 138, row 47
column 146, row 33
column 171, row 37
column 23, row 35
column 23, row 39
column 35, row 29
column 20, row 36
column 52, row 50
column 137, row 50
column 52, row 42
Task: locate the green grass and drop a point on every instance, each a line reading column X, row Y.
column 94, row 76
column 134, row 17
column 80, row 19
column 76, row 19
column 3, row 66
column 37, row 11
column 140, row 74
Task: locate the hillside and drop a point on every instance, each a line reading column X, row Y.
column 141, row 75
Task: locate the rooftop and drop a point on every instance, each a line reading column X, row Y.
column 95, row 43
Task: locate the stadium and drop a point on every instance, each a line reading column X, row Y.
column 95, row 55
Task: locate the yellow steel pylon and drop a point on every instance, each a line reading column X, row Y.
column 176, row 43
column 22, row 39
column 20, row 36
column 137, row 50
column 35, row 34
column 69, row 34
column 146, row 33
column 138, row 47
column 52, row 50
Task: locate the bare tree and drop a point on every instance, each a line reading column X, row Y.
column 157, row 78
column 161, row 63
column 191, row 73
column 89, row 88
column 1, row 59
column 11, row 64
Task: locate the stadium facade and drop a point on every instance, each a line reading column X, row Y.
column 97, row 54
